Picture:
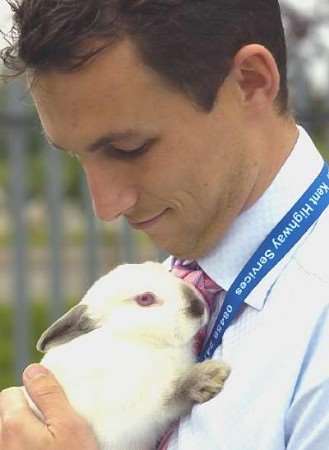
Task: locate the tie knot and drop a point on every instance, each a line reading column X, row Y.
column 191, row 272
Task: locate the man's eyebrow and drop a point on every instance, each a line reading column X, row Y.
column 102, row 141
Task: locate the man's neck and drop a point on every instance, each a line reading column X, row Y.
column 278, row 143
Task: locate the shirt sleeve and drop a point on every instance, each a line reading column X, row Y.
column 308, row 424
column 307, row 421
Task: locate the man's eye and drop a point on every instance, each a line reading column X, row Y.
column 120, row 153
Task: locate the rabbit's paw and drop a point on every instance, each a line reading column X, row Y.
column 206, row 380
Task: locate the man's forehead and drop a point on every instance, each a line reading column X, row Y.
column 116, row 64
column 116, row 98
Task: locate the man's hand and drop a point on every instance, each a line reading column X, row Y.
column 63, row 429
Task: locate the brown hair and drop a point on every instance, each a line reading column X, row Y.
column 190, row 43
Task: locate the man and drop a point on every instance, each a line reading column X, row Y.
column 178, row 113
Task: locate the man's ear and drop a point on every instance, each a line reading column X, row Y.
column 73, row 324
column 257, row 75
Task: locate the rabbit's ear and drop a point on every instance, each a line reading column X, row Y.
column 73, row 324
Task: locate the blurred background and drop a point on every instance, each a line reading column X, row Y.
column 51, row 246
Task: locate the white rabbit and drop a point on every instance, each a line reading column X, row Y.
column 124, row 355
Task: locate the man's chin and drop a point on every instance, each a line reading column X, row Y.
column 177, row 248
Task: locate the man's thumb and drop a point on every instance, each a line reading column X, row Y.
column 46, row 392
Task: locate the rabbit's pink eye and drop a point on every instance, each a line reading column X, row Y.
column 146, row 299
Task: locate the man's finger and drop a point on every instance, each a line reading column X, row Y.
column 12, row 402
column 46, row 393
column 1, row 442
column 16, row 418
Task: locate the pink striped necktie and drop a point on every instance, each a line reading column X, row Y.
column 191, row 272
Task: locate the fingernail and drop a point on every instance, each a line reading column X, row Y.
column 35, row 371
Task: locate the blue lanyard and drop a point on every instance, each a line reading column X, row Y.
column 277, row 244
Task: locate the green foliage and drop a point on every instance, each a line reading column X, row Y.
column 3, row 167
column 72, row 174
column 323, row 148
column 36, row 175
column 39, row 322
column 6, row 347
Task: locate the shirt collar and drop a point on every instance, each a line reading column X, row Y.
column 227, row 259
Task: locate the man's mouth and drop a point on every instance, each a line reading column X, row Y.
column 146, row 223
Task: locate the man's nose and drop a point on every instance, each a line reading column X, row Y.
column 112, row 193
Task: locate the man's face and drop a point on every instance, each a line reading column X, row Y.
column 192, row 175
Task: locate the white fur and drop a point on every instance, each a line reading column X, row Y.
column 120, row 375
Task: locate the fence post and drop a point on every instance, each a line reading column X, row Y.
column 128, row 251
column 16, row 141
column 53, row 187
column 92, row 237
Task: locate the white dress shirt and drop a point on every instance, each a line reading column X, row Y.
column 277, row 396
